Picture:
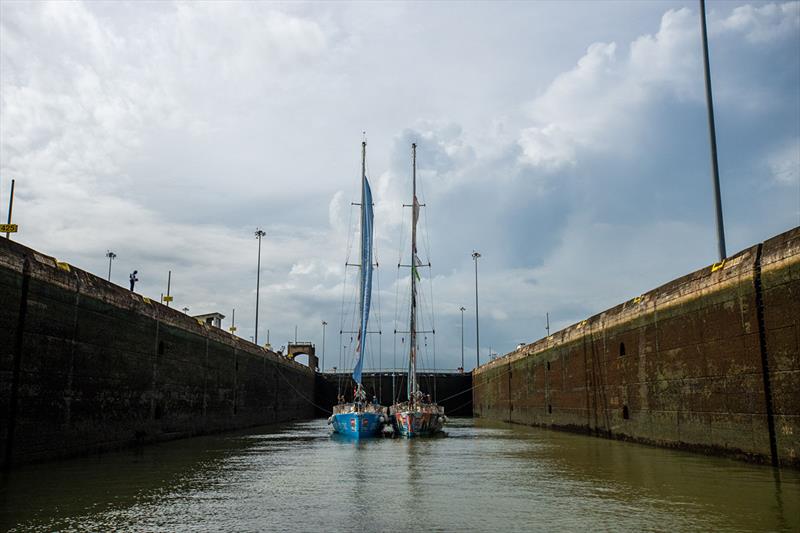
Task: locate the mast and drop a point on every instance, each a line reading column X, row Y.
column 362, row 334
column 413, row 386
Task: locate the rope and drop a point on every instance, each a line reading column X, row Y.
column 278, row 368
column 501, row 374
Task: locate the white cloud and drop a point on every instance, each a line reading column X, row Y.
column 170, row 133
column 784, row 163
column 767, row 23
column 597, row 106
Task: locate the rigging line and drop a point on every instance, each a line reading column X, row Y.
column 324, row 410
column 505, row 371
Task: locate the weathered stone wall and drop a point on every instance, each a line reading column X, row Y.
column 708, row 362
column 452, row 390
column 86, row 365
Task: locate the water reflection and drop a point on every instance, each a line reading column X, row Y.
column 480, row 477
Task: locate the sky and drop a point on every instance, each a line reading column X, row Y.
column 567, row 142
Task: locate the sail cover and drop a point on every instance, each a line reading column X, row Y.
column 366, row 278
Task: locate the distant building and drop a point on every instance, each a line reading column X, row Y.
column 212, row 319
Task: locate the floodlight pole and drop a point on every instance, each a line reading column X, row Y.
column 462, row 309
column 259, row 233
column 475, row 256
column 111, row 256
column 712, row 137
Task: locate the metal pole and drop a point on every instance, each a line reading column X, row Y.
column 259, row 233
column 111, row 255
column 169, row 281
column 10, row 207
column 323, row 344
column 475, row 256
column 712, row 137
column 462, row 338
column 295, row 334
column 547, row 327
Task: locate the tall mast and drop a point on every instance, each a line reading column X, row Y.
column 413, row 387
column 362, row 334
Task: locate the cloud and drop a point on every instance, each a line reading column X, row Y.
column 784, row 163
column 597, row 105
column 767, row 23
column 168, row 134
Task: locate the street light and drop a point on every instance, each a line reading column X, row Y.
column 475, row 256
column 111, row 256
column 185, row 310
column 462, row 309
column 259, row 233
column 323, row 344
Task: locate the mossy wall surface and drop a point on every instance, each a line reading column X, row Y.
column 86, row 365
column 708, row 362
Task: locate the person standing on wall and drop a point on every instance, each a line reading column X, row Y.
column 134, row 279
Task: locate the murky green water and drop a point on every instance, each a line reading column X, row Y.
column 477, row 478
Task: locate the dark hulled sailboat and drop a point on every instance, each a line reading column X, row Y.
column 418, row 415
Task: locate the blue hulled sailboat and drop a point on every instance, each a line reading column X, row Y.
column 360, row 418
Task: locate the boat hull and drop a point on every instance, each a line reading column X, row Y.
column 358, row 425
column 417, row 424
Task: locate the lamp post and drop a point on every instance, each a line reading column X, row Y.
column 185, row 310
column 111, row 256
column 259, row 233
column 475, row 256
column 323, row 344
column 462, row 309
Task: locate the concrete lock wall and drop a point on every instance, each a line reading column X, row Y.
column 86, row 365
column 708, row 362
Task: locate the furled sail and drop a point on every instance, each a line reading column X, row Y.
column 366, row 277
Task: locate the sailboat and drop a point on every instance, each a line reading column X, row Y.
column 360, row 418
column 418, row 415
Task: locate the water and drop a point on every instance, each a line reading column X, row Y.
column 480, row 477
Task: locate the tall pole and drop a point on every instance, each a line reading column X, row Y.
column 475, row 256
column 462, row 309
column 259, row 233
column 712, row 137
column 169, row 282
column 323, row 344
column 547, row 326
column 10, row 206
column 111, row 255
column 295, row 334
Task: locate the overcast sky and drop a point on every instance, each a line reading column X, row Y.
column 565, row 141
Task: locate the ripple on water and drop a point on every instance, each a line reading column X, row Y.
column 478, row 478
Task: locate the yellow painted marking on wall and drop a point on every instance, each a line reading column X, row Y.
column 8, row 228
column 167, row 299
column 146, row 300
column 200, row 322
column 718, row 266
column 63, row 266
